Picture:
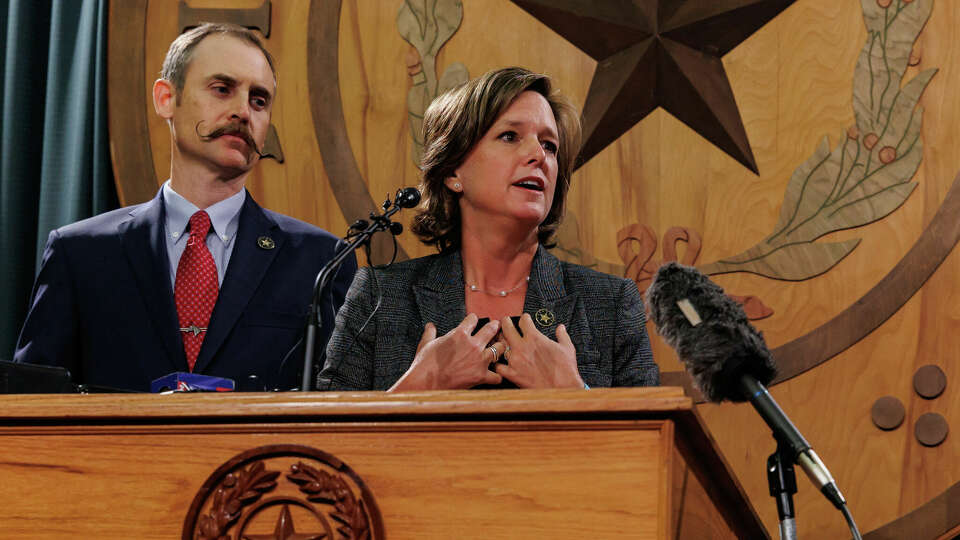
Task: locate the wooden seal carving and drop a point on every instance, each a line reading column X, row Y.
column 283, row 491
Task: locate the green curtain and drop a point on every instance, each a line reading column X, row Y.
column 54, row 147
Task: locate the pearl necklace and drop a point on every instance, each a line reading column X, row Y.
column 475, row 288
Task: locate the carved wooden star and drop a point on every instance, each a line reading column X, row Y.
column 659, row 53
column 284, row 530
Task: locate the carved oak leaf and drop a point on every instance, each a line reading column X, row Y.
column 752, row 306
column 427, row 25
column 321, row 486
column 358, row 522
column 865, row 178
column 891, row 33
column 238, row 490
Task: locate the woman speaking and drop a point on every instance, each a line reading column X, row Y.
column 499, row 152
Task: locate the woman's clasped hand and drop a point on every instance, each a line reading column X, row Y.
column 462, row 357
column 457, row 359
column 536, row 361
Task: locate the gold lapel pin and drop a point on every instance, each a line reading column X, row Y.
column 544, row 317
column 265, row 242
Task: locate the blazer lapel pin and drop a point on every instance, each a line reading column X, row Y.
column 544, row 317
column 265, row 242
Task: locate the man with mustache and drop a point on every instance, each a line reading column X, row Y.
column 200, row 278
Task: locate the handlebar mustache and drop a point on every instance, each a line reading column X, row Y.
column 235, row 129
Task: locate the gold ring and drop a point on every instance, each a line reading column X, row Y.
column 496, row 354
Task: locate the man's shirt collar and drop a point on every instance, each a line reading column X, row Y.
column 224, row 215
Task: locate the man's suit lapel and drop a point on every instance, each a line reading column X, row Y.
column 142, row 241
column 247, row 267
column 439, row 293
column 548, row 301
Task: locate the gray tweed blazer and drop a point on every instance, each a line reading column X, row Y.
column 604, row 316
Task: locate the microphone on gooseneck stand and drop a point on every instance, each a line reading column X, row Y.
column 730, row 361
column 408, row 197
column 360, row 233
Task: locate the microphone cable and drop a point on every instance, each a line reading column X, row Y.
column 296, row 345
column 850, row 523
column 377, row 290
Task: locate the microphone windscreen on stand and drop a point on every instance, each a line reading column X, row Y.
column 728, row 358
column 716, row 351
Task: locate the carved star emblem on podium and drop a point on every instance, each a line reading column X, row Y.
column 659, row 53
column 285, row 530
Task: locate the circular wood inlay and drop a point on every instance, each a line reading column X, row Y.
column 931, row 429
column 887, row 413
column 929, row 381
column 285, row 488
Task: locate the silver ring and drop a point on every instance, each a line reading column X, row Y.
column 506, row 351
column 496, row 354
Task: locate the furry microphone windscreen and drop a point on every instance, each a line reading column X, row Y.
column 720, row 349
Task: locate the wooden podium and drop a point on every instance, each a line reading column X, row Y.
column 604, row 463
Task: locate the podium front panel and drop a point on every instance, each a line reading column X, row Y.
column 600, row 465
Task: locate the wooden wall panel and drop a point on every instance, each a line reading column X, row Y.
column 793, row 83
column 883, row 474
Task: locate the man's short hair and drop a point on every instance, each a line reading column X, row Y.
column 181, row 50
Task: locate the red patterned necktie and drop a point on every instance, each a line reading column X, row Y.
column 196, row 287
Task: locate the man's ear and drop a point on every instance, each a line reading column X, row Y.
column 164, row 98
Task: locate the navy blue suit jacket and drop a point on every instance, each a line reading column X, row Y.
column 103, row 303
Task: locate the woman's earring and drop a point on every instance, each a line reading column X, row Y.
column 457, row 186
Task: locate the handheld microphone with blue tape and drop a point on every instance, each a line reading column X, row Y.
column 182, row 381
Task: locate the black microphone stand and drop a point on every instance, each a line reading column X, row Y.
column 405, row 198
column 783, row 484
column 791, row 448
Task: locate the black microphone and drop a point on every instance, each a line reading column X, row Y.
column 408, row 197
column 727, row 357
